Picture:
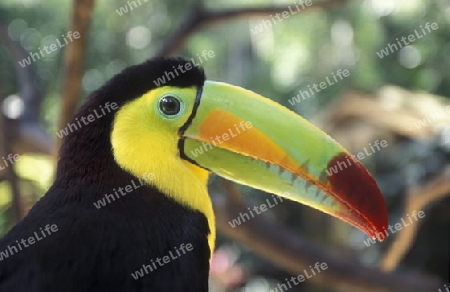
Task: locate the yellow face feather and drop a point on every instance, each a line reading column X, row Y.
column 145, row 141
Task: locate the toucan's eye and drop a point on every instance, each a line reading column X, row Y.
column 169, row 105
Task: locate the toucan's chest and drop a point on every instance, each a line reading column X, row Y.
column 142, row 241
column 154, row 242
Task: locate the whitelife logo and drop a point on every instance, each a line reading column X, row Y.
column 84, row 121
column 184, row 68
column 340, row 75
column 341, row 165
column 12, row 158
column 243, row 217
column 398, row 226
column 411, row 38
column 24, row 243
column 244, row 126
column 109, row 198
column 146, row 269
column 318, row 267
column 53, row 47
column 124, row 9
column 432, row 117
column 265, row 23
column 446, row 287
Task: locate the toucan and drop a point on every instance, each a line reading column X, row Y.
column 129, row 209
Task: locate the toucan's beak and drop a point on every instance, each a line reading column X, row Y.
column 254, row 141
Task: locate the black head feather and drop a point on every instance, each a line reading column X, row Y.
column 92, row 143
column 136, row 80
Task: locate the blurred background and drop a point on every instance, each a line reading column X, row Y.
column 393, row 92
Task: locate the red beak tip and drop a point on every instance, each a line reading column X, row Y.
column 358, row 189
column 379, row 232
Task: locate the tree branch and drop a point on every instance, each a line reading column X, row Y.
column 74, row 62
column 6, row 149
column 417, row 199
column 30, row 135
column 200, row 17
column 294, row 254
column 11, row 176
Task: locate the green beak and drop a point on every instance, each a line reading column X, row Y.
column 254, row 141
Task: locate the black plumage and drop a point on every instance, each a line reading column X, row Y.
column 98, row 249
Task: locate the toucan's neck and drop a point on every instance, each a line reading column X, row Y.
column 85, row 157
column 144, row 148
